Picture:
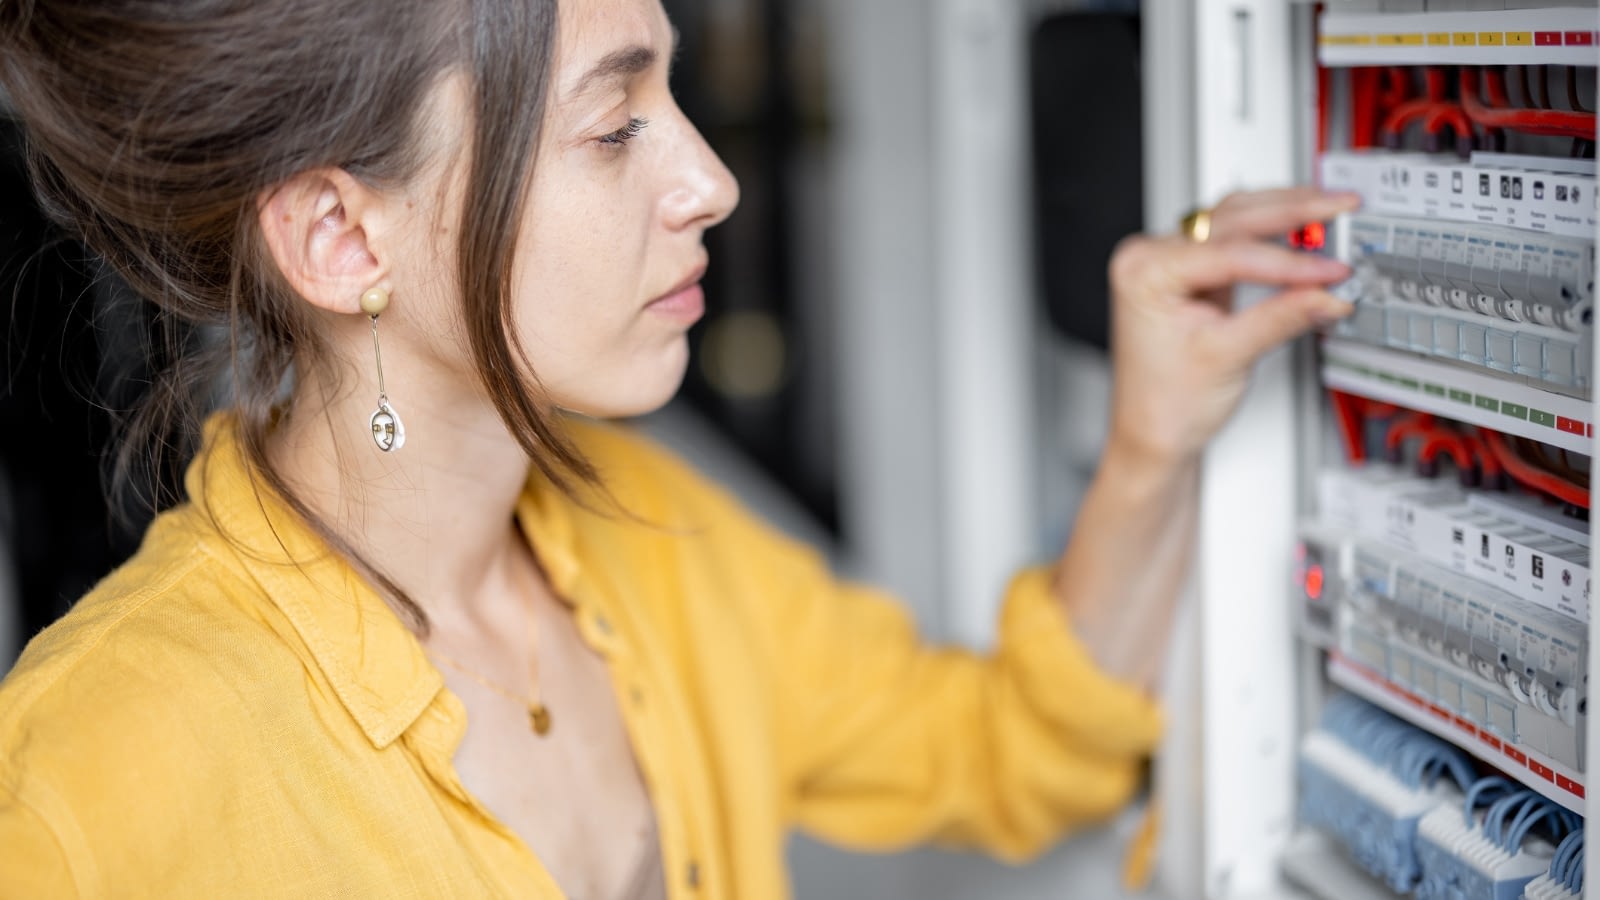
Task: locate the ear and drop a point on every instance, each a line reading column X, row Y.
column 323, row 229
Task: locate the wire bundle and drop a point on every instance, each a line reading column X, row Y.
column 1487, row 847
column 1565, row 878
column 1369, row 778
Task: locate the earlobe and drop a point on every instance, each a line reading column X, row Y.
column 318, row 227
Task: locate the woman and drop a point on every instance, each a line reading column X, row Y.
column 423, row 627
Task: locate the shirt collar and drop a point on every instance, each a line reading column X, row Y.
column 373, row 663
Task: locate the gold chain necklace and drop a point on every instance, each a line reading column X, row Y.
column 538, row 713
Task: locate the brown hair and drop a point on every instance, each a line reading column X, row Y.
column 153, row 126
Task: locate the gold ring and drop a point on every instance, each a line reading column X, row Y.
column 1196, row 226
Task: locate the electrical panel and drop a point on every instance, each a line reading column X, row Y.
column 1441, row 578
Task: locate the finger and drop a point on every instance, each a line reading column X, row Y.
column 1265, row 214
column 1251, row 332
column 1178, row 266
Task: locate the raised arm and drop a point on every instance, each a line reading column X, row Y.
column 1181, row 358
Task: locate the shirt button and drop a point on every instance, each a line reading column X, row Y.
column 693, row 875
column 636, row 695
column 603, row 624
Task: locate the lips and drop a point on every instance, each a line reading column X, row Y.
column 689, row 281
column 685, row 304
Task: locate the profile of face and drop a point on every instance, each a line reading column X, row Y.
column 611, row 252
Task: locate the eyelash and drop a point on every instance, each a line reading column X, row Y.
column 626, row 133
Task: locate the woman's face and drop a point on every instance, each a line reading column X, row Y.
column 608, row 263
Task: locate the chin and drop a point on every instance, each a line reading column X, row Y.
column 639, row 392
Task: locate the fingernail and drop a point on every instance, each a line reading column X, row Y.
column 1332, row 313
column 1346, row 199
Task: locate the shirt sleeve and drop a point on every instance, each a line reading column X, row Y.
column 884, row 740
column 891, row 741
column 32, row 863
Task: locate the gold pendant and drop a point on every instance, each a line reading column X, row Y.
column 539, row 718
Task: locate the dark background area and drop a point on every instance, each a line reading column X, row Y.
column 67, row 340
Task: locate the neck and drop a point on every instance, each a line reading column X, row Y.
column 435, row 516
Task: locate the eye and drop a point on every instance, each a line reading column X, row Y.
column 626, row 133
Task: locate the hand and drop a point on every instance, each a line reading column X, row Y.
column 1181, row 356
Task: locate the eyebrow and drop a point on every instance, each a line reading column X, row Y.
column 624, row 63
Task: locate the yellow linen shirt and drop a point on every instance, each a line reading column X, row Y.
column 235, row 713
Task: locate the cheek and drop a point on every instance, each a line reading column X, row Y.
column 581, row 259
column 595, row 350
column 587, row 264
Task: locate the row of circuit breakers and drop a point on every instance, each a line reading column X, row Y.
column 1489, row 264
column 1476, row 603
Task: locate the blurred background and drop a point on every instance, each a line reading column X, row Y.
column 903, row 359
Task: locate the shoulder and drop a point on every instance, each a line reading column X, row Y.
column 157, row 652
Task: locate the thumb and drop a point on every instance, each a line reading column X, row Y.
column 1252, row 332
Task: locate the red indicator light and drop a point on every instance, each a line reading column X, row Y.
column 1313, row 236
column 1314, row 582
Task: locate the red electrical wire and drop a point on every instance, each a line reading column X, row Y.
column 1559, row 123
column 1401, row 111
column 1435, row 112
column 1532, row 476
column 1495, row 87
column 1486, row 459
column 1441, row 441
column 1398, row 90
column 1402, row 115
column 1347, row 412
column 1363, row 106
column 1414, row 425
column 1434, row 78
column 1453, row 116
column 1324, row 86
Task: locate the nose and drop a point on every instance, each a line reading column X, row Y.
column 704, row 192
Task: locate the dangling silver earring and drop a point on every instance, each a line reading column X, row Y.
column 388, row 432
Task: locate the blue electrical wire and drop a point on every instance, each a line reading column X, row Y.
column 1514, row 816
column 1531, row 815
column 1448, row 758
column 1571, row 820
column 1561, row 863
column 1574, row 880
column 1493, row 782
column 1494, row 822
